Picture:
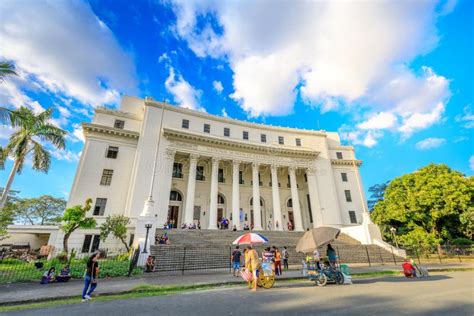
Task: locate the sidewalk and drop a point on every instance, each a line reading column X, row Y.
column 17, row 293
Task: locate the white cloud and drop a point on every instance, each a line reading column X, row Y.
column 11, row 95
column 466, row 118
column 430, row 143
column 471, row 163
column 66, row 50
column 65, row 155
column 334, row 54
column 6, row 131
column 381, row 120
column 224, row 113
column 217, row 86
column 184, row 94
column 77, row 134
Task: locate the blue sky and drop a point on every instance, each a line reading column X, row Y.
column 395, row 79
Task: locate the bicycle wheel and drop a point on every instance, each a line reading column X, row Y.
column 321, row 279
column 267, row 281
column 339, row 277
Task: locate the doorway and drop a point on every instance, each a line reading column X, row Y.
column 173, row 214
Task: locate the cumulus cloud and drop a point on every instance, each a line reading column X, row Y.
column 335, row 55
column 217, row 86
column 430, row 143
column 11, row 94
column 66, row 49
column 65, row 155
column 184, row 94
column 466, row 118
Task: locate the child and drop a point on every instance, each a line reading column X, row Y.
column 48, row 276
column 64, row 275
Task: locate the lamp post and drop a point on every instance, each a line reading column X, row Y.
column 393, row 230
column 147, row 226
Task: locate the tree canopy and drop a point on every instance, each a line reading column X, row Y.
column 427, row 207
column 117, row 226
column 43, row 210
column 76, row 217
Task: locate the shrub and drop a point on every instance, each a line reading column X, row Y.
column 462, row 242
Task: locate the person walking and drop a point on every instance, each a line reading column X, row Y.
column 285, row 255
column 253, row 264
column 90, row 279
column 277, row 255
column 235, row 258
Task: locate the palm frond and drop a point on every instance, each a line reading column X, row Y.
column 6, row 69
column 5, row 115
column 41, row 157
column 50, row 133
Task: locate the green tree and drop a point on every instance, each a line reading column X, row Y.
column 32, row 131
column 425, row 206
column 76, row 217
column 43, row 210
column 377, row 192
column 6, row 218
column 467, row 222
column 117, row 226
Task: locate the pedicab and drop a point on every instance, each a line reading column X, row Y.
column 265, row 275
column 313, row 239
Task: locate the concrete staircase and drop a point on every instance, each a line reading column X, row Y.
column 197, row 250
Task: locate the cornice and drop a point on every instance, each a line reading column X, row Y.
column 345, row 162
column 192, row 137
column 341, row 148
column 118, row 113
column 151, row 102
column 95, row 128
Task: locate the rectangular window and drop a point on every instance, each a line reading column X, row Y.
column 289, row 182
column 197, row 213
column 177, row 170
column 309, row 208
column 352, row 216
column 106, row 177
column 298, row 142
column 91, row 243
column 185, row 124
column 119, row 124
column 99, row 208
column 226, row 131
column 305, row 177
column 344, row 177
column 245, row 135
column 220, row 176
column 241, row 177
column 200, row 173
column 281, row 140
column 339, row 155
column 207, row 128
column 348, row 195
column 260, row 183
column 112, row 152
column 263, row 138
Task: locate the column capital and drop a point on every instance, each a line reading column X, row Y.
column 311, row 171
column 194, row 157
column 215, row 160
column 255, row 165
column 274, row 165
column 170, row 153
column 292, row 169
column 236, row 162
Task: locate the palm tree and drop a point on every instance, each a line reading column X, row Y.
column 33, row 130
column 6, row 69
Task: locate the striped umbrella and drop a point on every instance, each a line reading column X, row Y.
column 250, row 239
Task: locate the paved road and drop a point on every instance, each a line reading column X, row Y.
column 440, row 294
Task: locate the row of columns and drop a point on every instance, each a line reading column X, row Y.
column 277, row 216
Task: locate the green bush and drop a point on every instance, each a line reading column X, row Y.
column 462, row 242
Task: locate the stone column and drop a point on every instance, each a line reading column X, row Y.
column 235, row 194
column 276, row 199
column 189, row 211
column 314, row 197
column 296, row 201
column 257, row 216
column 213, row 197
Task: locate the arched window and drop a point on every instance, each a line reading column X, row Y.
column 175, row 196
column 261, row 201
column 220, row 199
column 289, row 203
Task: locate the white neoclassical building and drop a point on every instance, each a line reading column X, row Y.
column 157, row 163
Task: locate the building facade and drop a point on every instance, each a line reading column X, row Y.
column 170, row 165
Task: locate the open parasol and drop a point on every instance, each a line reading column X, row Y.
column 251, row 239
column 315, row 238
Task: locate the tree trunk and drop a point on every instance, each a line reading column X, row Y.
column 6, row 190
column 125, row 244
column 65, row 240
